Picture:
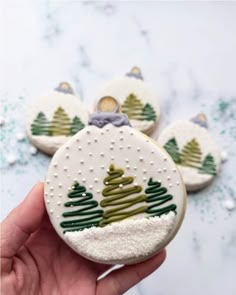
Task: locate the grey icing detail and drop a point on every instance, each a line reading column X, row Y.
column 101, row 119
column 200, row 120
column 135, row 73
column 65, row 88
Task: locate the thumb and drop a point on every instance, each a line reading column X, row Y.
column 17, row 227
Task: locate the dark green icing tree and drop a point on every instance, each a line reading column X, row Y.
column 76, row 125
column 86, row 213
column 158, row 199
column 173, row 150
column 191, row 154
column 40, row 125
column 148, row 113
column 133, row 107
column 208, row 165
column 60, row 124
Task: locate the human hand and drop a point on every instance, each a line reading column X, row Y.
column 35, row 260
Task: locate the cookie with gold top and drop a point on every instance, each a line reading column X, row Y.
column 136, row 100
column 112, row 194
column 55, row 117
column 194, row 150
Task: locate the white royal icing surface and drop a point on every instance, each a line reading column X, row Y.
column 122, row 87
column 48, row 104
column 184, row 131
column 87, row 156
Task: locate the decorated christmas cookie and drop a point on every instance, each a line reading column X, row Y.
column 136, row 100
column 112, row 194
column 54, row 118
column 194, row 151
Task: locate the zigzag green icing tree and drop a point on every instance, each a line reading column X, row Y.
column 117, row 197
column 76, row 125
column 191, row 154
column 40, row 125
column 148, row 113
column 157, row 196
column 86, row 214
column 173, row 150
column 60, row 124
column 133, row 107
column 208, row 165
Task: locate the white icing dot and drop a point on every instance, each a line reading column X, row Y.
column 229, row 204
column 112, row 157
column 67, row 147
column 144, row 178
column 121, row 138
column 55, row 165
column 151, row 163
column 2, row 121
column 135, row 175
column 102, row 167
column 11, row 159
column 144, row 171
column 165, row 159
column 84, row 194
column 95, row 140
column 91, row 186
column 112, row 141
column 47, row 181
column 159, row 170
column 107, row 129
column 90, row 154
column 81, row 161
column 127, row 166
column 79, row 172
column 106, row 182
column 138, row 149
column 68, row 176
column 60, row 195
column 135, row 184
column 95, row 180
column 75, row 179
column 59, row 184
column 98, row 191
column 127, row 160
column 58, row 216
column 168, row 177
column 33, row 151
column 111, row 147
column 121, row 131
column 170, row 185
column 55, row 175
column 140, row 159
column 102, row 154
column 51, row 188
column 89, row 142
column 164, row 169
column 131, row 133
column 174, row 170
column 46, row 194
column 20, row 136
column 51, row 195
column 152, row 151
column 69, row 188
column 224, row 156
column 121, row 185
column 128, row 146
column 88, row 132
column 65, row 168
column 123, row 176
column 67, row 156
column 79, row 148
column 91, row 169
column 177, row 182
column 77, row 139
column 51, row 211
column 121, row 147
column 83, row 180
column 59, row 203
column 135, row 168
column 102, row 132
column 48, row 201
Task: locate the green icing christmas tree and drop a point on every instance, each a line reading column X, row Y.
column 86, row 213
column 191, row 154
column 133, row 107
column 173, row 150
column 157, row 197
column 76, row 125
column 60, row 124
column 40, row 125
column 121, row 198
column 208, row 165
column 148, row 113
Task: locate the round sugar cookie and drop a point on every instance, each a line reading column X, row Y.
column 112, row 194
column 193, row 149
column 55, row 117
column 136, row 100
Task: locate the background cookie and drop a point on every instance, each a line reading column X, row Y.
column 136, row 100
column 103, row 184
column 55, row 117
column 194, row 151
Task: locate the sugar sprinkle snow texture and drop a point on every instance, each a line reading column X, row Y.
column 122, row 240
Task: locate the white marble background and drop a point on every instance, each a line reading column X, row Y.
column 187, row 51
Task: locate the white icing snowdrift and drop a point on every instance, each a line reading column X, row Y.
column 123, row 242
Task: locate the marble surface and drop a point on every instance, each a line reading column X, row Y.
column 187, row 54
